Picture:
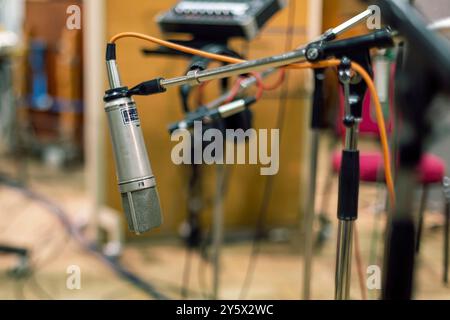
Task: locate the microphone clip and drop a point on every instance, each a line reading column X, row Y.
column 145, row 88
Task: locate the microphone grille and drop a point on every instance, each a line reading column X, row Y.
column 142, row 209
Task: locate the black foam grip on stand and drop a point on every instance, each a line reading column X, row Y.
column 318, row 104
column 348, row 186
column 399, row 264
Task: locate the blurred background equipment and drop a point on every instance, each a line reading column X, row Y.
column 53, row 108
column 8, row 108
column 9, row 42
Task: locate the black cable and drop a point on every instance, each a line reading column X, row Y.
column 268, row 187
column 75, row 234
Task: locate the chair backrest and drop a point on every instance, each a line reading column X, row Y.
column 368, row 126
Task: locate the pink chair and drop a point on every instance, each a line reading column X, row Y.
column 431, row 170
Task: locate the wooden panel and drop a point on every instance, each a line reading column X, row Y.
column 246, row 185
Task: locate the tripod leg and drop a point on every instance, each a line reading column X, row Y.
column 324, row 219
column 309, row 217
column 218, row 229
column 325, row 230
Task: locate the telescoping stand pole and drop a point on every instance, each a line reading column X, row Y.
column 348, row 189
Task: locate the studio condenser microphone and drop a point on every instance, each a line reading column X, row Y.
column 137, row 184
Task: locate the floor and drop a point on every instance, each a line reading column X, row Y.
column 277, row 274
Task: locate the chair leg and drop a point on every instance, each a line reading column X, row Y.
column 423, row 203
column 446, row 240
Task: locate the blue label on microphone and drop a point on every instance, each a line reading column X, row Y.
column 129, row 116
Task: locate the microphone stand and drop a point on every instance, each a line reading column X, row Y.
column 268, row 64
column 357, row 49
column 6, row 79
column 310, row 53
column 348, row 192
column 316, row 126
column 299, row 55
column 348, row 189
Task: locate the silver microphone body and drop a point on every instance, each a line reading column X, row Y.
column 137, row 185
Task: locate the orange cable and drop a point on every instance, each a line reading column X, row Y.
column 178, row 47
column 175, row 46
column 382, row 128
